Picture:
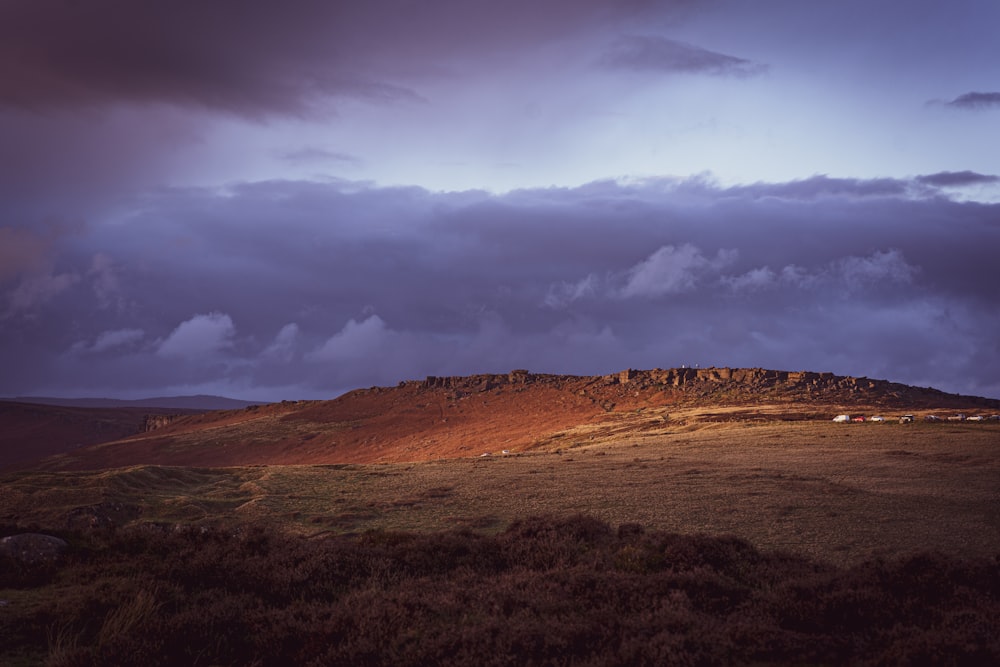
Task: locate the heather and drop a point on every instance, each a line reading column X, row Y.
column 544, row 591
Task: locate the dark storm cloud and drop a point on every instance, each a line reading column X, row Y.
column 286, row 289
column 975, row 101
column 259, row 58
column 244, row 57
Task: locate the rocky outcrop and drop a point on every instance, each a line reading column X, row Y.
column 739, row 385
column 153, row 422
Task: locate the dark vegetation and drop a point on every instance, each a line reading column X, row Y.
column 545, row 591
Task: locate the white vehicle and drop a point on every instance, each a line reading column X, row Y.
column 975, row 418
column 877, row 418
column 906, row 419
column 842, row 419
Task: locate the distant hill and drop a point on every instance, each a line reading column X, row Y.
column 445, row 417
column 197, row 402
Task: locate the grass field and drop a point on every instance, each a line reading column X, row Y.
column 838, row 493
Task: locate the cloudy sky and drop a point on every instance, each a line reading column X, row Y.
column 289, row 200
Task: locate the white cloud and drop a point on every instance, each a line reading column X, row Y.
column 854, row 272
column 565, row 293
column 357, row 340
column 117, row 338
column 752, row 280
column 879, row 267
column 797, row 276
column 672, row 270
column 283, row 347
column 200, row 336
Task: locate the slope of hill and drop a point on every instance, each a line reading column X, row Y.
column 443, row 417
column 29, row 431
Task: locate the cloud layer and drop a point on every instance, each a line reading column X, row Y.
column 258, row 58
column 299, row 289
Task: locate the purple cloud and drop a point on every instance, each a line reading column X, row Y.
column 645, row 53
column 318, row 155
column 956, row 179
column 975, row 101
column 255, row 58
column 824, row 186
column 298, row 289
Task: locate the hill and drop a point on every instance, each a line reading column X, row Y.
column 197, row 402
column 700, row 497
column 447, row 417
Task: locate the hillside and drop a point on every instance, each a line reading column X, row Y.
column 29, row 432
column 446, row 417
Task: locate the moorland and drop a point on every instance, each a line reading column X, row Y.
column 701, row 516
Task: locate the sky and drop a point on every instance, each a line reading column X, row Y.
column 290, row 200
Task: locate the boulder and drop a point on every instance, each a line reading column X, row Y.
column 33, row 548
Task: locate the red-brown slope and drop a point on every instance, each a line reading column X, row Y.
column 469, row 416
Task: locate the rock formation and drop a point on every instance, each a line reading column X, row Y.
column 153, row 422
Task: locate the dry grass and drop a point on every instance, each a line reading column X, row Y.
column 839, row 493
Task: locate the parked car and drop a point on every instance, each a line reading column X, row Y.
column 877, row 418
column 932, row 418
column 858, row 419
column 906, row 419
column 975, row 418
column 842, row 419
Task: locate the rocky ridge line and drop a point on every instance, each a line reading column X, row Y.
column 707, row 385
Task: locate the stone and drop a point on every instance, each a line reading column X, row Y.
column 33, row 548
